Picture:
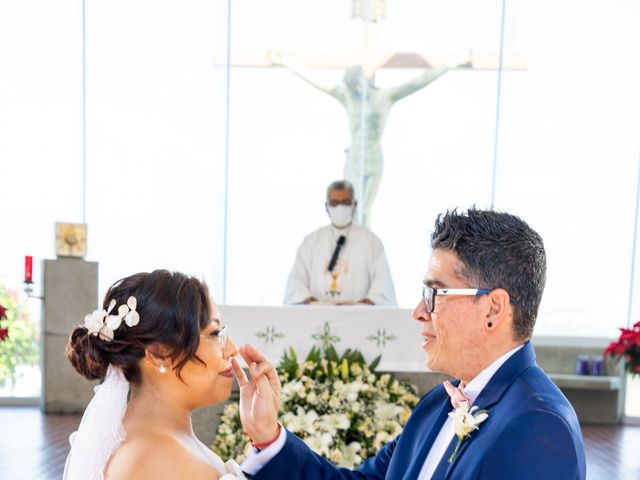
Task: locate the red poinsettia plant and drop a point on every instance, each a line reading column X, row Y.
column 627, row 348
column 4, row 332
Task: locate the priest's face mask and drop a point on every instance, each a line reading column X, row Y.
column 341, row 206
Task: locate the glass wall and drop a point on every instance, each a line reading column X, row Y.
column 200, row 136
column 567, row 156
column 156, row 114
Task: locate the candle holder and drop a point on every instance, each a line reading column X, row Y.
column 28, row 289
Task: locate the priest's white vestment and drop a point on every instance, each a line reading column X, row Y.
column 361, row 271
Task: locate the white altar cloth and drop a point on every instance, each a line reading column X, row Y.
column 374, row 330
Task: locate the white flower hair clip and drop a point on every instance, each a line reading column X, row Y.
column 101, row 323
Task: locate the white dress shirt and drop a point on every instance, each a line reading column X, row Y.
column 447, row 432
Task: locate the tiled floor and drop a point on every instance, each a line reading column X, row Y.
column 34, row 446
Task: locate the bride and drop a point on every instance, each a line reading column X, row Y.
column 161, row 351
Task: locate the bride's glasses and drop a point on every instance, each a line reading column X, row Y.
column 220, row 334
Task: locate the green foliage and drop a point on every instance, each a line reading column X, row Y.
column 325, row 363
column 20, row 346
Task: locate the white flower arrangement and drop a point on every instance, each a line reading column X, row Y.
column 340, row 406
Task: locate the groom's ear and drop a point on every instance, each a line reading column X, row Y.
column 500, row 311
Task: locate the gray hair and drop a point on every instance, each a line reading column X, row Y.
column 340, row 185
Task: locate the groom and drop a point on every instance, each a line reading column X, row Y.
column 478, row 308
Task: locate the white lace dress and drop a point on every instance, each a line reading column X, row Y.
column 101, row 432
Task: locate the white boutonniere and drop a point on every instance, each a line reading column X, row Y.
column 465, row 421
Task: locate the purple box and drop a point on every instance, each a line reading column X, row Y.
column 597, row 366
column 582, row 365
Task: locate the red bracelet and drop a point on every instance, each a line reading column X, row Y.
column 261, row 446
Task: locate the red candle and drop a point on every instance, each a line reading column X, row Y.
column 28, row 269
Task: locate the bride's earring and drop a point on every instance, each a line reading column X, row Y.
column 162, row 369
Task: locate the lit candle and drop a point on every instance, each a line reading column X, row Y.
column 28, row 269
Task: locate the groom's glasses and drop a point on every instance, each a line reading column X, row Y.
column 429, row 294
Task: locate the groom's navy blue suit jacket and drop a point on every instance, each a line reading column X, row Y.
column 532, row 433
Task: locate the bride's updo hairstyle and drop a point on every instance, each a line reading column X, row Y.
column 173, row 309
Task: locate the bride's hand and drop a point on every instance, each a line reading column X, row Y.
column 259, row 396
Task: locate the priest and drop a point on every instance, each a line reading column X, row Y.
column 341, row 263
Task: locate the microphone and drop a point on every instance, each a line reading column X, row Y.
column 336, row 252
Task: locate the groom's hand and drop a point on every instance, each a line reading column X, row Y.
column 259, row 395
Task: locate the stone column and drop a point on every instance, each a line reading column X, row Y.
column 70, row 292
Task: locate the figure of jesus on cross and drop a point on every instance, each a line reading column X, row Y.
column 367, row 107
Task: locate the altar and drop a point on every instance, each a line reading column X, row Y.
column 373, row 330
